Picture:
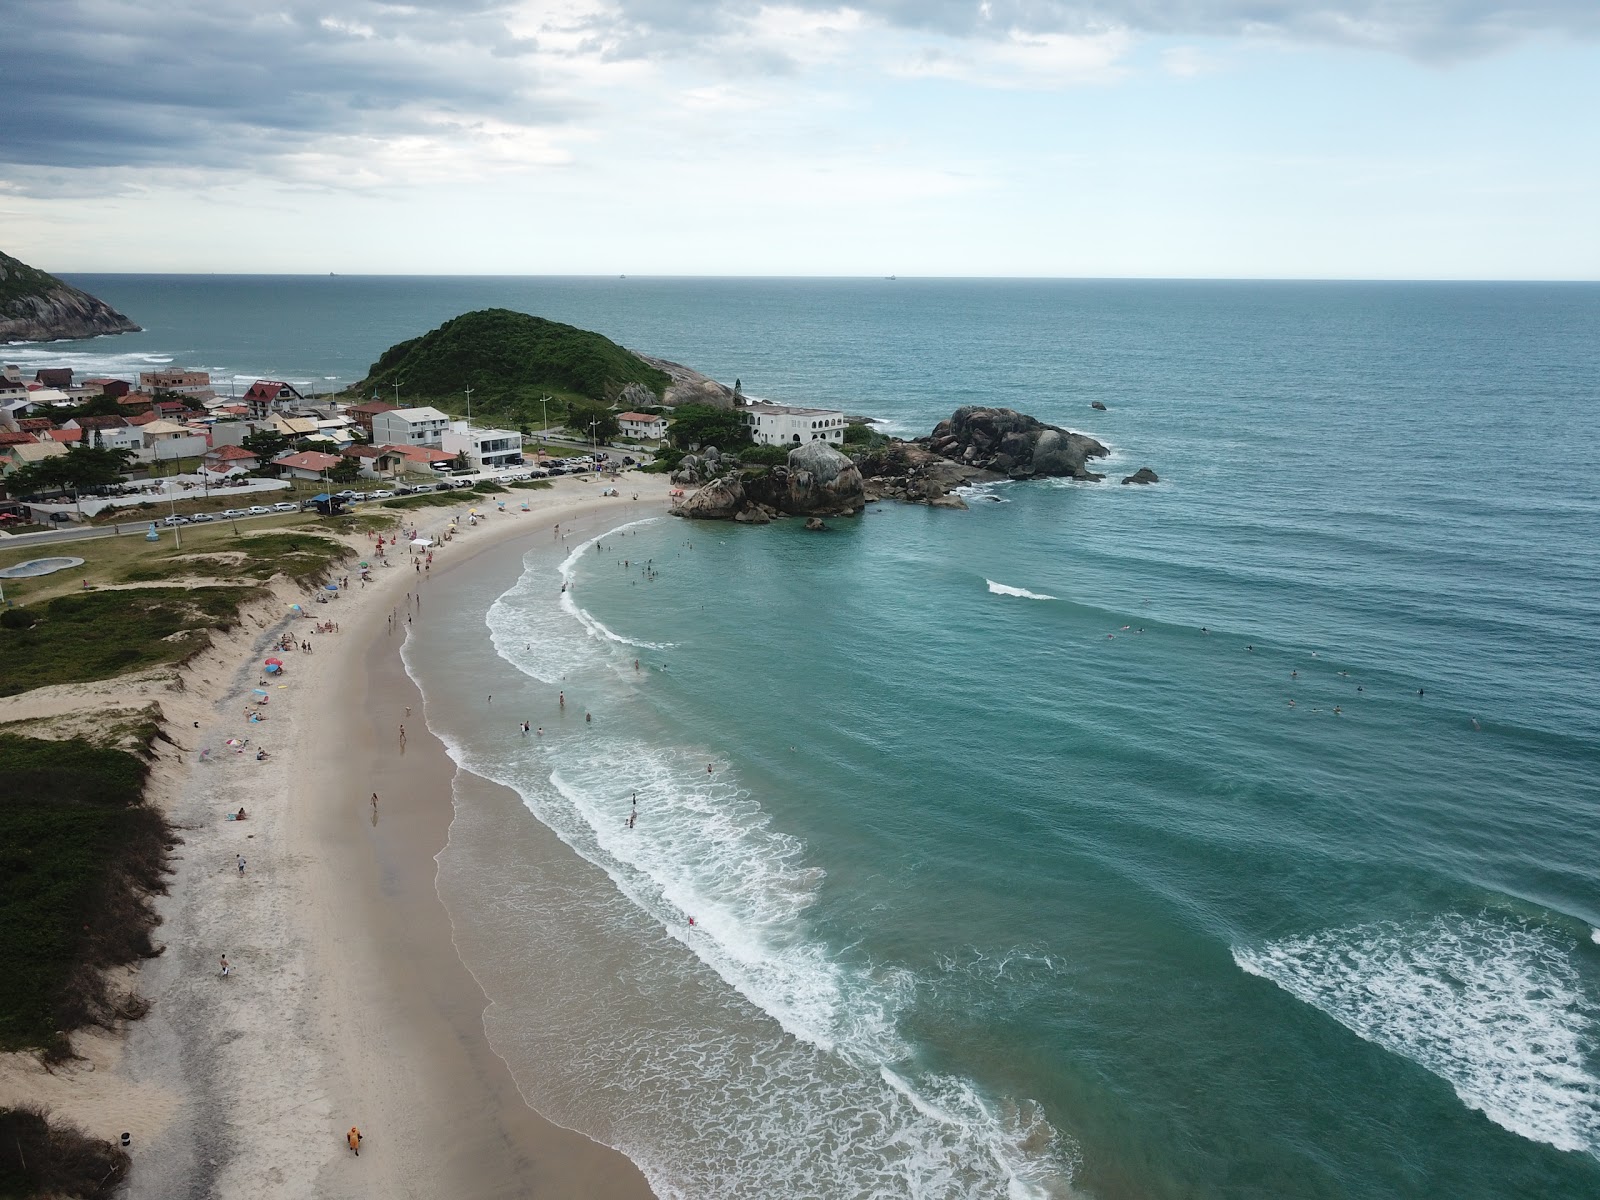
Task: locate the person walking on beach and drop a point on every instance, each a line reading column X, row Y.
column 353, row 1140
column 241, row 863
column 226, row 966
column 374, row 801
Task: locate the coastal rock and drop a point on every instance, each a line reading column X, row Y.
column 752, row 516
column 688, row 386
column 1014, row 444
column 719, row 500
column 35, row 306
column 815, row 524
column 637, row 396
column 1142, row 475
column 1095, row 404
column 819, row 481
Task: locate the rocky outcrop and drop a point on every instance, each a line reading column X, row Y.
column 1014, row 444
column 699, row 468
column 910, row 472
column 1142, row 475
column 719, row 500
column 688, row 386
column 818, row 481
column 35, row 306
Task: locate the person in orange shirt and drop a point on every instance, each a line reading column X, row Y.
column 354, row 1138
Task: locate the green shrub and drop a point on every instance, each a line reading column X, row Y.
column 17, row 618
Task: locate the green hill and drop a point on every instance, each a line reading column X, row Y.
column 35, row 306
column 509, row 360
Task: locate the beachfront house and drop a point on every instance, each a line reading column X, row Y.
column 486, row 449
column 410, row 427
column 376, row 462
column 786, row 425
column 644, row 426
column 109, row 433
column 190, row 383
column 266, row 396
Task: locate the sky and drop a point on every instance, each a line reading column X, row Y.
column 1147, row 138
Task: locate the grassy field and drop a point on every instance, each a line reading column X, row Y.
column 79, row 854
column 303, row 557
column 99, row 634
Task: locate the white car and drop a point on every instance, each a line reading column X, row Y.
column 285, row 506
column 380, row 495
column 234, row 512
column 257, row 510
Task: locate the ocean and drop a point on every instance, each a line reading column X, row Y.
column 1233, row 837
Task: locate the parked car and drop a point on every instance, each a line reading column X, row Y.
column 285, row 506
column 380, row 494
column 202, row 518
column 234, row 512
column 441, row 487
column 347, row 494
column 169, row 520
column 259, row 510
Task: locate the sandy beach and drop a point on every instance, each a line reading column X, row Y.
column 346, row 1003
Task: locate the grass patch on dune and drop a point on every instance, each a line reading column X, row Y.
column 41, row 1157
column 531, row 485
column 96, row 635
column 80, row 854
column 303, row 557
column 427, row 500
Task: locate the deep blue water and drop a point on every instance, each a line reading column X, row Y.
column 1252, row 852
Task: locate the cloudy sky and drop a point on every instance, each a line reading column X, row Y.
column 1320, row 138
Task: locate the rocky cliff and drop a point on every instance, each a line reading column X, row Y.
column 35, row 306
column 1014, row 444
column 688, row 386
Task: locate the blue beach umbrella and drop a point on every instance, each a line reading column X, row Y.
column 330, row 587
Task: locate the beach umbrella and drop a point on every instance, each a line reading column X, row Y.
column 295, row 608
column 364, row 565
column 274, row 662
column 330, row 587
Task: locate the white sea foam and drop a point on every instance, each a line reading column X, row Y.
column 1000, row 589
column 1594, row 936
column 569, row 602
column 1492, row 1005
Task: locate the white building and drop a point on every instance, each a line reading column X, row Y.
column 642, row 425
column 409, row 427
column 486, row 449
column 783, row 425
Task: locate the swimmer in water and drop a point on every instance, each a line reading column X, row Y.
column 1294, row 674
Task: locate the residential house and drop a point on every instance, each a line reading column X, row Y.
column 362, row 414
column 54, row 377
column 12, row 457
column 486, row 449
column 116, row 388
column 65, row 437
column 165, row 441
column 644, row 426
column 409, row 427
column 785, row 425
column 293, row 428
column 228, row 460
column 376, row 462
column 265, row 396
column 15, row 437
column 190, row 383
column 419, row 460
column 307, row 464
column 110, row 433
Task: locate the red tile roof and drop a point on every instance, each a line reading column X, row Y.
column 229, row 453
column 8, row 438
column 66, row 435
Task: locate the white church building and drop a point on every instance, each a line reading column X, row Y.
column 784, row 425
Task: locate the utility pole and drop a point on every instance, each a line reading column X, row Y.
column 544, row 436
column 397, row 393
column 469, row 408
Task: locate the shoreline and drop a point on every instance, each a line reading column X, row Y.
column 347, row 1002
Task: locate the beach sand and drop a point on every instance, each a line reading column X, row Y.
column 346, row 1003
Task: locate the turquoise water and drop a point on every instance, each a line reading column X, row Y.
column 1017, row 871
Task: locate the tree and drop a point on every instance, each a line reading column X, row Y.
column 461, row 462
column 582, row 413
column 346, row 470
column 265, row 444
column 79, row 469
column 704, row 425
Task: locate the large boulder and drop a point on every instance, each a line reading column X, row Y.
column 1142, row 475
column 1014, row 444
column 719, row 500
column 688, row 386
column 819, row 481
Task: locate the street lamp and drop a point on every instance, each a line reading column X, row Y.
column 397, row 393
column 594, row 445
column 544, row 436
column 469, row 408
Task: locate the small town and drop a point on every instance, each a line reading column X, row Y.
column 105, row 449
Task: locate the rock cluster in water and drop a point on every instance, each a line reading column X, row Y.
column 976, row 445
column 817, row 481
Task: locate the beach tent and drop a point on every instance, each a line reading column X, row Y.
column 424, row 543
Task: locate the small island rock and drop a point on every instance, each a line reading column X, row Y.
column 1142, row 475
